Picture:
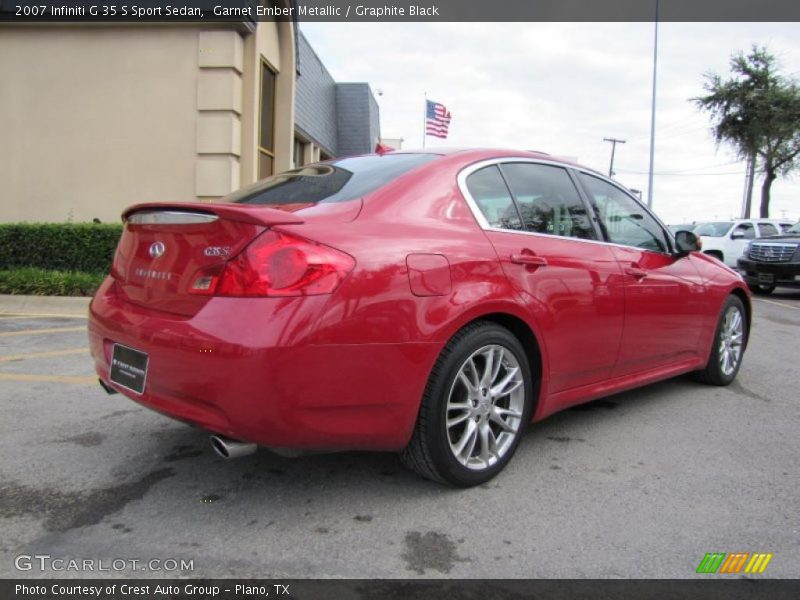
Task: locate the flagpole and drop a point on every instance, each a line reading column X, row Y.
column 424, row 119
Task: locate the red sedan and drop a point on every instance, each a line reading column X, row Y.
column 427, row 303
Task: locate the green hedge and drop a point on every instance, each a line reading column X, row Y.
column 42, row 282
column 86, row 247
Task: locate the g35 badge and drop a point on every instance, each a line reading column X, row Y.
column 217, row 251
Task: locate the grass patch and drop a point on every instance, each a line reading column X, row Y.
column 46, row 282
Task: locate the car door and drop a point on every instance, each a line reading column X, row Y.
column 664, row 294
column 546, row 242
column 741, row 235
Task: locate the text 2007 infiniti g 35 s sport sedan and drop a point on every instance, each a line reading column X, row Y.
column 428, row 303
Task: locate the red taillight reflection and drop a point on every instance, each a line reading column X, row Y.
column 278, row 264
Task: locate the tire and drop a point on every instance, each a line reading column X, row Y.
column 458, row 391
column 729, row 341
column 716, row 254
column 763, row 290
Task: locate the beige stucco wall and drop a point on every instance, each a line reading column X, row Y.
column 96, row 118
column 274, row 42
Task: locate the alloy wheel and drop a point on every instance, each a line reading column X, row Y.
column 731, row 340
column 485, row 407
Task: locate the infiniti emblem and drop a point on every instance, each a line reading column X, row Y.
column 157, row 249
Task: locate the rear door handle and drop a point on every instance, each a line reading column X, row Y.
column 529, row 260
column 636, row 272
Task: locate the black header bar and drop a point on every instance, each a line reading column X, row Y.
column 398, row 589
column 209, row 11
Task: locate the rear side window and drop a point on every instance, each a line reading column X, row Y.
column 548, row 200
column 334, row 181
column 487, row 188
column 765, row 229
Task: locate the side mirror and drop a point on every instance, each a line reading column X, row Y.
column 737, row 235
column 687, row 242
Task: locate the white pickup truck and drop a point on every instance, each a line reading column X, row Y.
column 727, row 240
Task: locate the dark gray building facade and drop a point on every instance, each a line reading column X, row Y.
column 331, row 119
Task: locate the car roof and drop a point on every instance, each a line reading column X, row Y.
column 763, row 220
column 477, row 154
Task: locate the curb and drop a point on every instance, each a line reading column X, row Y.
column 68, row 306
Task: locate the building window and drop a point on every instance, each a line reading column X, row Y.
column 266, row 133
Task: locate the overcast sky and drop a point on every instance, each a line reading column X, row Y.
column 563, row 87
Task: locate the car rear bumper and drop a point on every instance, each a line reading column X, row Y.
column 784, row 274
column 247, row 368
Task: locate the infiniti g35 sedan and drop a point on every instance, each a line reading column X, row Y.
column 427, row 303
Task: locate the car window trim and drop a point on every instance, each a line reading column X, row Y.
column 461, row 181
column 484, row 224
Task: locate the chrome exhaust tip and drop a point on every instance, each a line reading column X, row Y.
column 109, row 390
column 228, row 448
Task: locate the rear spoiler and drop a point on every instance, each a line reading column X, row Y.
column 254, row 215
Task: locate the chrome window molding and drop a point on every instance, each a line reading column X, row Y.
column 169, row 217
column 484, row 224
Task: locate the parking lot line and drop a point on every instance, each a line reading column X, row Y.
column 76, row 379
column 48, row 354
column 42, row 331
column 8, row 316
column 778, row 303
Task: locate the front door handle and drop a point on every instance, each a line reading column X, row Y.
column 530, row 260
column 636, row 272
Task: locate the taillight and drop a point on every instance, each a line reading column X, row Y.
column 277, row 264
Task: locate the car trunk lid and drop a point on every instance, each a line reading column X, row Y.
column 164, row 246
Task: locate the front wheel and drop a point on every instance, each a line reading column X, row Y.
column 729, row 344
column 476, row 406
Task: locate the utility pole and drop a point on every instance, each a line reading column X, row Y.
column 614, row 142
column 747, row 201
column 653, row 114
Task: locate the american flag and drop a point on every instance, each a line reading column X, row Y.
column 437, row 119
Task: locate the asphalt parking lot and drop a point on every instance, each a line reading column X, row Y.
column 641, row 484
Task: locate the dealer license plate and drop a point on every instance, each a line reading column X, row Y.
column 128, row 368
column 767, row 278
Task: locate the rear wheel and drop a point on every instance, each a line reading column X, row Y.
column 729, row 343
column 475, row 408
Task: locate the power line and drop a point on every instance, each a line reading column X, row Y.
column 693, row 169
column 687, row 171
column 680, row 174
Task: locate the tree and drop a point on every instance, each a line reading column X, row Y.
column 757, row 111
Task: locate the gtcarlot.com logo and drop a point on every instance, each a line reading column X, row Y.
column 45, row 562
column 734, row 562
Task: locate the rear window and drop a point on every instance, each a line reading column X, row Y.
column 334, row 181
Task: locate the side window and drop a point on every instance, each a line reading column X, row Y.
column 491, row 195
column 746, row 229
column 626, row 221
column 765, row 229
column 548, row 200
